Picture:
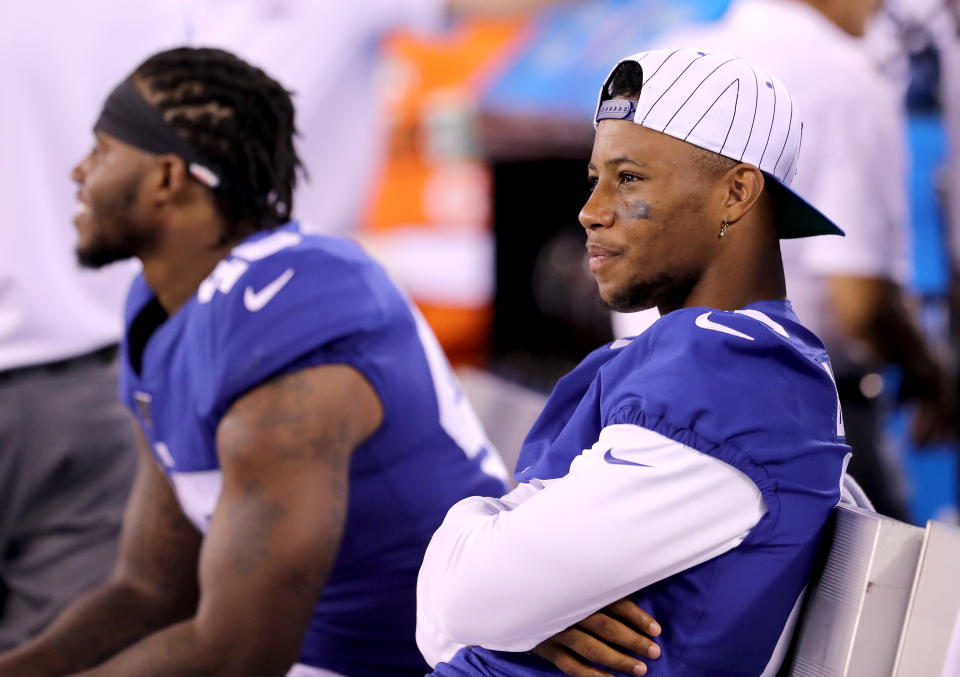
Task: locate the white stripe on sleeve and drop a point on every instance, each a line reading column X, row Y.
column 635, row 508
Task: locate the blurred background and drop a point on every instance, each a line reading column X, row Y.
column 451, row 139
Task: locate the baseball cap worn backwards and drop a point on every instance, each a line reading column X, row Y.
column 721, row 103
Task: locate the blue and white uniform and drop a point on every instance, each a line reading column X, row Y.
column 692, row 468
column 284, row 301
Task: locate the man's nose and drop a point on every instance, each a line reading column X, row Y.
column 596, row 213
column 79, row 171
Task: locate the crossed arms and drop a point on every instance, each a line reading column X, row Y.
column 637, row 507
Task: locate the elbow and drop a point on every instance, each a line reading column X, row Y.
column 439, row 600
column 459, row 619
column 473, row 611
column 469, row 590
column 455, row 616
column 454, row 595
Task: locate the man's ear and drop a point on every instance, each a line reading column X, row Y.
column 168, row 179
column 744, row 186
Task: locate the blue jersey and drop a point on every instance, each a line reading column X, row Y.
column 284, row 301
column 752, row 388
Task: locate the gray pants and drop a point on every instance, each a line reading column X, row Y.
column 67, row 460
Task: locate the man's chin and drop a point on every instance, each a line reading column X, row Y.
column 94, row 258
column 628, row 300
column 621, row 307
column 644, row 294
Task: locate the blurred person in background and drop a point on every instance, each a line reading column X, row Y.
column 67, row 454
column 950, row 91
column 951, row 94
column 850, row 291
column 927, row 34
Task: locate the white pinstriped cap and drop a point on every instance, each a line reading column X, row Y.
column 722, row 103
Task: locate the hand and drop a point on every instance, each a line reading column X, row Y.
column 602, row 638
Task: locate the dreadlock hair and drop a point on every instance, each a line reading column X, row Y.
column 626, row 81
column 239, row 118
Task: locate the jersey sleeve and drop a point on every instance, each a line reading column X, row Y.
column 285, row 312
column 507, row 573
column 724, row 383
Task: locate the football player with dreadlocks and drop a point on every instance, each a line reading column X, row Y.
column 301, row 429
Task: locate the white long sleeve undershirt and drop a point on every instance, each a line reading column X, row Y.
column 507, row 573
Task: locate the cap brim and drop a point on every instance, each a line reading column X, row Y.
column 795, row 216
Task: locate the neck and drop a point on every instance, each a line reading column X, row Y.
column 175, row 269
column 749, row 269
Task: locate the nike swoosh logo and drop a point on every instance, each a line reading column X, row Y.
column 254, row 301
column 610, row 458
column 704, row 322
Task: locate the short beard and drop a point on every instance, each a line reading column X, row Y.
column 100, row 254
column 665, row 290
column 124, row 241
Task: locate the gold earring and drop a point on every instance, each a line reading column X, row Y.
column 723, row 228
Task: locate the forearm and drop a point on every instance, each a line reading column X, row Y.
column 190, row 648
column 89, row 631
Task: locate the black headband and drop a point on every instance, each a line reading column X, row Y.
column 128, row 117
